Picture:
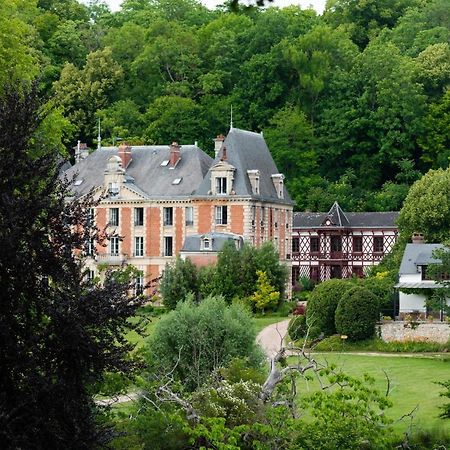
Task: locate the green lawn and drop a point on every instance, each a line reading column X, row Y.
column 412, row 383
column 262, row 322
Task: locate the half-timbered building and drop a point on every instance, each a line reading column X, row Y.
column 340, row 244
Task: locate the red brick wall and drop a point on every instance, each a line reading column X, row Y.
column 203, row 260
column 125, row 230
column 151, row 274
column 204, row 218
column 237, row 219
column 153, row 232
column 178, row 229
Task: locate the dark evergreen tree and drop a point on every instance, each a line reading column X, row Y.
column 59, row 332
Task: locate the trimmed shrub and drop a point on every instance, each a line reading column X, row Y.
column 323, row 302
column 297, row 327
column 357, row 314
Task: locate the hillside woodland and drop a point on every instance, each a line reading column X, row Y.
column 354, row 103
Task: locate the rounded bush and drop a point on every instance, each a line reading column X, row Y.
column 297, row 327
column 357, row 314
column 323, row 302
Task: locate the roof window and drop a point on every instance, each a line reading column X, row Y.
column 78, row 182
column 165, row 163
column 177, row 181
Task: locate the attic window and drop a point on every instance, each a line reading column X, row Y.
column 177, row 181
column 78, row 182
column 206, row 244
column 165, row 163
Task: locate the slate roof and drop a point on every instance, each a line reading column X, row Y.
column 144, row 174
column 341, row 219
column 417, row 255
column 247, row 150
column 193, row 243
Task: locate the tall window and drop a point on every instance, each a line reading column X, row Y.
column 378, row 244
column 189, row 215
column 263, row 215
column 221, row 185
column 139, row 284
column 138, row 217
column 114, row 246
column 168, row 216
column 357, row 271
column 314, row 273
column 114, row 217
column 314, row 245
column 138, row 246
column 295, row 274
column 221, row 215
column 357, row 244
column 168, row 243
column 90, row 216
column 253, row 215
column 295, row 244
column 90, row 247
column 336, row 245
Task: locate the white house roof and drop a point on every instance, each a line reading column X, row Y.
column 418, row 255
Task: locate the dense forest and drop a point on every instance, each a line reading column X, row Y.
column 354, row 103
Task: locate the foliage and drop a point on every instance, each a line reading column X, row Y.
column 427, row 207
column 194, row 340
column 265, row 295
column 337, row 344
column 357, row 313
column 179, row 279
column 445, row 414
column 383, row 288
column 297, row 327
column 60, row 333
column 323, row 302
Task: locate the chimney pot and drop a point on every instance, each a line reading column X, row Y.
column 175, row 154
column 125, row 154
column 417, row 238
column 218, row 141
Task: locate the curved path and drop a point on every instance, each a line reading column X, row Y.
column 271, row 338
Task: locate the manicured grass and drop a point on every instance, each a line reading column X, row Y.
column 412, row 382
column 262, row 322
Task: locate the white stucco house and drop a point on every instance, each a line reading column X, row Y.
column 413, row 276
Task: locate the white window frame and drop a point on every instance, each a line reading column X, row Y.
column 114, row 217
column 168, row 216
column 189, row 216
column 221, row 185
column 168, row 239
column 137, row 211
column 114, row 246
column 138, row 246
column 139, row 284
column 113, row 189
column 219, row 216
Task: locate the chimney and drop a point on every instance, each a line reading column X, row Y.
column 125, row 154
column 218, row 141
column 81, row 151
column 224, row 154
column 175, row 154
column 418, row 238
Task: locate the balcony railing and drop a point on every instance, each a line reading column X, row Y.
column 111, row 259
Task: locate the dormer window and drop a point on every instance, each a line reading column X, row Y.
column 113, row 189
column 278, row 182
column 206, row 244
column 253, row 176
column 221, row 185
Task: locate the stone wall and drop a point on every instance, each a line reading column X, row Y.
column 402, row 331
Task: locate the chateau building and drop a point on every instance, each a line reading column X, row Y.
column 154, row 199
column 339, row 244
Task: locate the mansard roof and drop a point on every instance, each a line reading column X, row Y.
column 144, row 173
column 246, row 150
column 340, row 219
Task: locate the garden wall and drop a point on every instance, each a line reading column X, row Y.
column 402, row 331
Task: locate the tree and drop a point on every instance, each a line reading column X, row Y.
column 357, row 313
column 322, row 304
column 59, row 332
column 265, row 295
column 194, row 340
column 427, row 208
column 179, row 279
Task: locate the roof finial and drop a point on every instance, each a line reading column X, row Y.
column 99, row 137
column 231, row 117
